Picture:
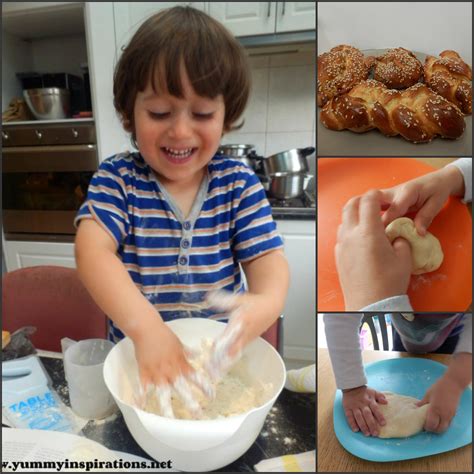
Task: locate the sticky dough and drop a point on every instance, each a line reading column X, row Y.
column 403, row 418
column 427, row 254
column 237, row 392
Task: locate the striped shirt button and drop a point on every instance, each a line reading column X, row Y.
column 183, row 260
column 187, row 225
column 185, row 243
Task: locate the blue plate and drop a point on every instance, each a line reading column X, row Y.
column 412, row 377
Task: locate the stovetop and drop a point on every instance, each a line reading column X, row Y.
column 294, row 208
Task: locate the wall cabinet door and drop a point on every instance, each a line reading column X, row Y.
column 245, row 18
column 299, row 326
column 130, row 15
column 20, row 254
column 295, row 16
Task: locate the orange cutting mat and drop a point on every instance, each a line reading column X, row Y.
column 447, row 289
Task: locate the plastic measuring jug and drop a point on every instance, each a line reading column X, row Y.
column 83, row 366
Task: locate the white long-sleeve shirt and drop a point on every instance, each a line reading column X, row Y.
column 424, row 334
column 401, row 302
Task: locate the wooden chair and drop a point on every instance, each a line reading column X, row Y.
column 54, row 300
column 369, row 320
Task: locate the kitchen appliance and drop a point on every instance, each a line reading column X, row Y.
column 48, row 103
column 46, row 170
column 193, row 445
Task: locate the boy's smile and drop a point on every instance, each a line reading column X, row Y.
column 176, row 136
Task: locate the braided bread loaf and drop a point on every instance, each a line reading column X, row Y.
column 450, row 77
column 398, row 68
column 339, row 70
column 417, row 114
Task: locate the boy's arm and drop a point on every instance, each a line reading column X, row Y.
column 109, row 283
column 342, row 334
column 268, row 281
column 464, row 165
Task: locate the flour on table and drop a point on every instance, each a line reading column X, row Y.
column 236, row 393
column 403, row 418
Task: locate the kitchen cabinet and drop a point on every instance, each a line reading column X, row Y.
column 21, row 254
column 259, row 18
column 128, row 16
column 299, row 323
column 295, row 16
column 245, row 18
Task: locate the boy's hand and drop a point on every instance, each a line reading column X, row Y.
column 370, row 268
column 425, row 195
column 240, row 330
column 443, row 397
column 362, row 411
column 163, row 366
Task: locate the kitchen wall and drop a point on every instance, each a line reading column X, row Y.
column 425, row 27
column 281, row 110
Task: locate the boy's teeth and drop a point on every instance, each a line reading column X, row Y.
column 185, row 152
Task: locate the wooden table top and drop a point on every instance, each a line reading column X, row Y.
column 332, row 457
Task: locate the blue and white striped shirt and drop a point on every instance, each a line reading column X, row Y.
column 175, row 260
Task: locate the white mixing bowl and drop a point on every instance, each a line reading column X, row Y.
column 194, row 445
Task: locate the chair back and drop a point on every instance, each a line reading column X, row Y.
column 53, row 299
column 369, row 319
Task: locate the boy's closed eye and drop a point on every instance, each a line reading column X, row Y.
column 164, row 115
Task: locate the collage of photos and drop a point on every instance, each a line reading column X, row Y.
column 237, row 236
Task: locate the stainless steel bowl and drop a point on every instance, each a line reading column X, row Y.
column 50, row 103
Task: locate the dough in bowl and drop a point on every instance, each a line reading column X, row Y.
column 403, row 418
column 426, row 251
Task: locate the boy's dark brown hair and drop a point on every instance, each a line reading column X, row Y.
column 214, row 60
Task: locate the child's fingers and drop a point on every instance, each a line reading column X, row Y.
column 380, row 398
column 203, row 383
column 443, row 425
column 361, row 422
column 351, row 420
column 399, row 206
column 426, row 214
column 163, row 394
column 423, row 401
column 350, row 213
column 370, row 420
column 369, row 211
column 377, row 413
column 433, row 420
column 183, row 389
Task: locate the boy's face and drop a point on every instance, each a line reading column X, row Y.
column 178, row 137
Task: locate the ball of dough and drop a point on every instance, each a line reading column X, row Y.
column 403, row 418
column 426, row 251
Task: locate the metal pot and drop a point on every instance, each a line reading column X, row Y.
column 288, row 185
column 291, row 161
column 244, row 153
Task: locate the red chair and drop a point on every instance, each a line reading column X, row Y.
column 54, row 300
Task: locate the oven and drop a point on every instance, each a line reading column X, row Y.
column 46, row 170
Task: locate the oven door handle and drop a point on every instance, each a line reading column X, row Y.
column 54, row 158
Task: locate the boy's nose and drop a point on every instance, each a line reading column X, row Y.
column 180, row 127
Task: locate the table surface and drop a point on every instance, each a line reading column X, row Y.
column 289, row 428
column 332, row 457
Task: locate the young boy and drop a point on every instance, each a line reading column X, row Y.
column 414, row 333
column 163, row 226
column 373, row 273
